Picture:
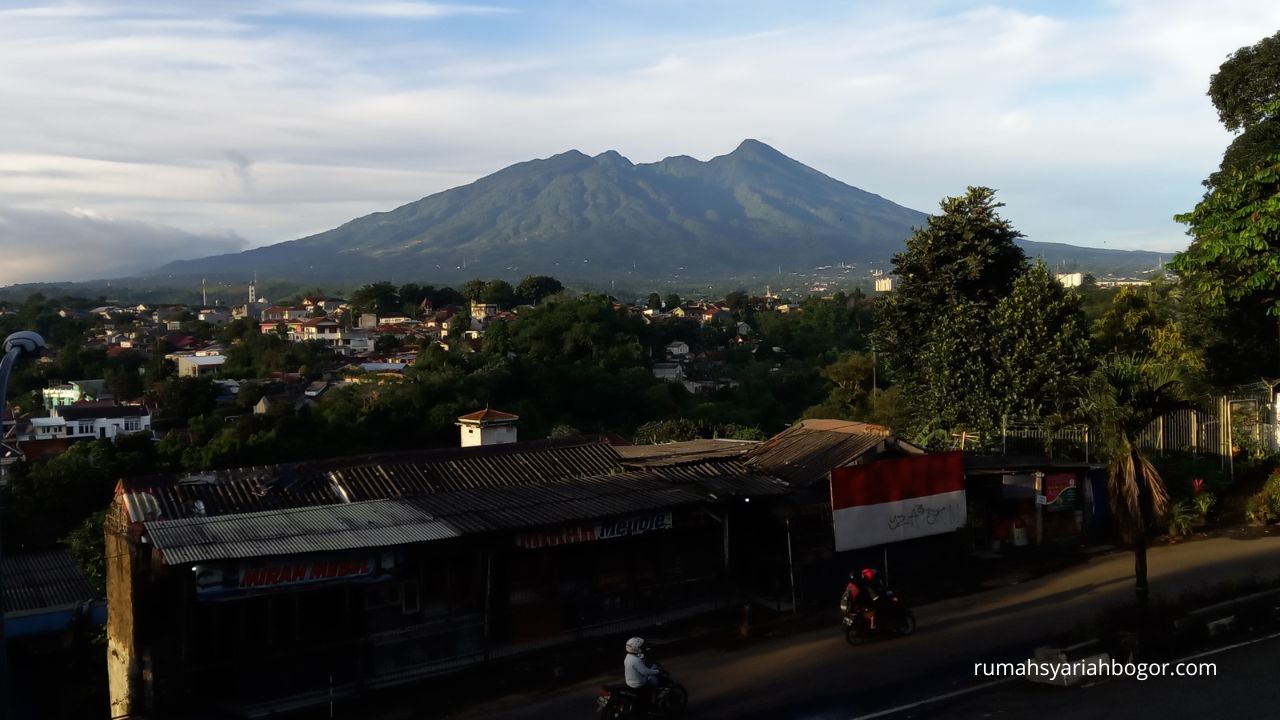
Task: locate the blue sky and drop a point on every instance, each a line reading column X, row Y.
column 137, row 132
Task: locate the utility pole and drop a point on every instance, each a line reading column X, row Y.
column 14, row 346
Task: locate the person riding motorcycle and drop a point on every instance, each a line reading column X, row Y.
column 862, row 594
column 640, row 675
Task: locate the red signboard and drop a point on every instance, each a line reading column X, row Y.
column 304, row 572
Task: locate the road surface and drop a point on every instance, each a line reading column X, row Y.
column 815, row 675
column 1244, row 688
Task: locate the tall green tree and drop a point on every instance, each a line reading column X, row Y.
column 1246, row 93
column 1040, row 343
column 534, row 289
column 933, row 333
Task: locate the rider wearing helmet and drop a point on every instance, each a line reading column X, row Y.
column 639, row 674
column 861, row 594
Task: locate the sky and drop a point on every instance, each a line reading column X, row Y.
column 133, row 133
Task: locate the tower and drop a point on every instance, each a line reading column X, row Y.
column 253, row 291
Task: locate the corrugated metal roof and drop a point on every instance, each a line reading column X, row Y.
column 43, row 580
column 803, row 455
column 379, row 523
column 682, row 452
column 491, row 509
column 366, row 477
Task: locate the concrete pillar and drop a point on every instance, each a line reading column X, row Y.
column 125, row 656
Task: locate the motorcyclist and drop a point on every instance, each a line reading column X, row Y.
column 862, row 594
column 640, row 675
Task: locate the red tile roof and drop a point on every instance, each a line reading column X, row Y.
column 487, row 415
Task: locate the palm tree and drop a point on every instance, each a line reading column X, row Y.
column 1119, row 400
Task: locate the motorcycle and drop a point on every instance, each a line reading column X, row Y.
column 892, row 618
column 619, row 700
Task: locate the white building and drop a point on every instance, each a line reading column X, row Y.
column 200, row 365
column 668, row 372
column 72, row 392
column 91, row 420
column 487, row 427
column 1070, row 280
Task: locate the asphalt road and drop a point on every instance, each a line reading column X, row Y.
column 1244, row 688
column 816, row 675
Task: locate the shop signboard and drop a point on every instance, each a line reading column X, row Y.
column 1059, row 491
column 268, row 574
column 889, row 501
column 592, row 530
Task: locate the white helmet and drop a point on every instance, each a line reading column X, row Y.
column 635, row 645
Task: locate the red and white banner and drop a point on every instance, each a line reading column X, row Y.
column 892, row 500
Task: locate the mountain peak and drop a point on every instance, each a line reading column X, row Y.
column 754, row 147
column 612, row 157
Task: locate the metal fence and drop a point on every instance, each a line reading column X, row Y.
column 1242, row 421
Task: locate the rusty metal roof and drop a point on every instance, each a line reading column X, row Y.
column 675, row 453
column 368, row 477
column 378, row 523
column 40, row 581
column 450, row 513
column 805, row 453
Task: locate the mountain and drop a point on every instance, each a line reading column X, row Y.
column 604, row 218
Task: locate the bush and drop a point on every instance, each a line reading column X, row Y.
column 1264, row 506
column 1203, row 503
column 1181, row 518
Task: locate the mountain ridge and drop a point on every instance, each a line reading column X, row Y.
column 601, row 218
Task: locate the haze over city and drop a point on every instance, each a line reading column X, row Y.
column 144, row 132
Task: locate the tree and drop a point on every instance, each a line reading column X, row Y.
column 1235, row 255
column 671, row 301
column 933, row 332
column 533, row 289
column 1119, row 400
column 654, row 302
column 87, row 547
column 737, row 300
column 380, row 298
column 1232, row 262
column 386, row 344
column 473, row 289
column 1247, row 84
column 498, row 292
column 459, row 324
column 1040, row 343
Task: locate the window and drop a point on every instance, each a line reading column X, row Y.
column 132, row 426
column 85, row 429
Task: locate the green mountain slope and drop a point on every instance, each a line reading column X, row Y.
column 603, row 218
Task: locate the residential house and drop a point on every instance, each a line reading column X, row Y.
column 89, row 420
column 215, row 315
column 678, row 349
column 668, row 372
column 74, row 392
column 200, row 365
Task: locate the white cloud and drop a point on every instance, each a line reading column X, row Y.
column 402, row 10
column 1095, row 128
column 82, row 245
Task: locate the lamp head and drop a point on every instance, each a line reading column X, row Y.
column 24, row 341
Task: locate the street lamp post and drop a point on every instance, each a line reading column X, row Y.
column 16, row 345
